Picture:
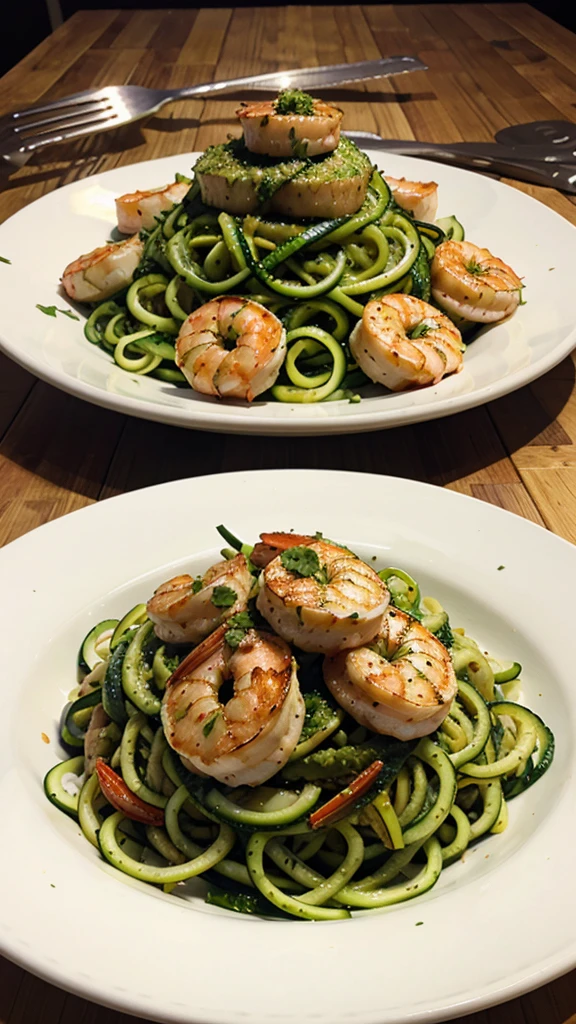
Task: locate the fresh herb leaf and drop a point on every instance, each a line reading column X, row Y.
column 500, row 567
column 322, row 576
column 474, row 268
column 239, row 625
column 243, row 620
column 300, row 560
column 197, row 585
column 320, row 713
column 421, row 330
column 234, row 637
column 209, row 725
column 294, row 101
column 52, row 310
column 224, row 597
column 354, row 615
column 445, row 634
column 4, row 260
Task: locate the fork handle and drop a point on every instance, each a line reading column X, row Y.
column 481, row 152
column 303, row 78
column 490, row 157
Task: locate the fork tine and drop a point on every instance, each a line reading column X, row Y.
column 36, row 141
column 88, row 96
column 58, row 118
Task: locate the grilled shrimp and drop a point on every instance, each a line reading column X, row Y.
column 248, row 739
column 470, row 282
column 185, row 610
column 138, row 210
column 104, row 271
column 402, row 685
column 419, row 198
column 402, row 342
column 254, row 362
column 285, row 135
column 338, row 603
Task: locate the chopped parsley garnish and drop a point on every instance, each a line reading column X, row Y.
column 300, row 560
column 52, row 310
column 354, row 615
column 294, row 101
column 224, row 597
column 197, row 585
column 500, row 567
column 4, row 260
column 238, row 627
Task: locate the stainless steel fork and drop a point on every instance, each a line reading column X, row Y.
column 539, row 164
column 98, row 110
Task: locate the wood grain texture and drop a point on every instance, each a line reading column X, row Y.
column 490, row 65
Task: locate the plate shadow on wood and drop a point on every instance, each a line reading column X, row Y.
column 100, row 453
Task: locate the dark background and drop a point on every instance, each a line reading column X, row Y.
column 28, row 20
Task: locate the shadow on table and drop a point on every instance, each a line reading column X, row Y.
column 130, row 137
column 96, row 453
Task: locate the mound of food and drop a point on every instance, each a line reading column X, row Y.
column 236, row 180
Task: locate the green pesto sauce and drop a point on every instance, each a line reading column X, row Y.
column 234, row 162
column 294, row 101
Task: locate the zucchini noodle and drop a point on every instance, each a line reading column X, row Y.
column 314, row 275
column 269, row 847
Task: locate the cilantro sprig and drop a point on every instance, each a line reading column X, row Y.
column 301, row 560
column 223, row 597
column 238, row 626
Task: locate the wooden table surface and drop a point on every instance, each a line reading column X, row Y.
column 489, row 66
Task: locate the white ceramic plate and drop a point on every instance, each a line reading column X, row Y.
column 43, row 237
column 494, row 926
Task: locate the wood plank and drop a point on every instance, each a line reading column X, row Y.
column 540, row 30
column 47, row 473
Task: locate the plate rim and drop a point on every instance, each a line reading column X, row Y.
column 542, row 972
column 227, row 420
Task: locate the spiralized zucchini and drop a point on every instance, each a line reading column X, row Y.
column 432, row 799
column 317, row 277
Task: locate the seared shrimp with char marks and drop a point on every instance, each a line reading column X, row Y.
column 231, row 347
column 185, row 610
column 138, row 210
column 419, row 198
column 470, row 282
column 402, row 685
column 322, row 597
column 104, row 271
column 403, row 342
column 248, row 739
